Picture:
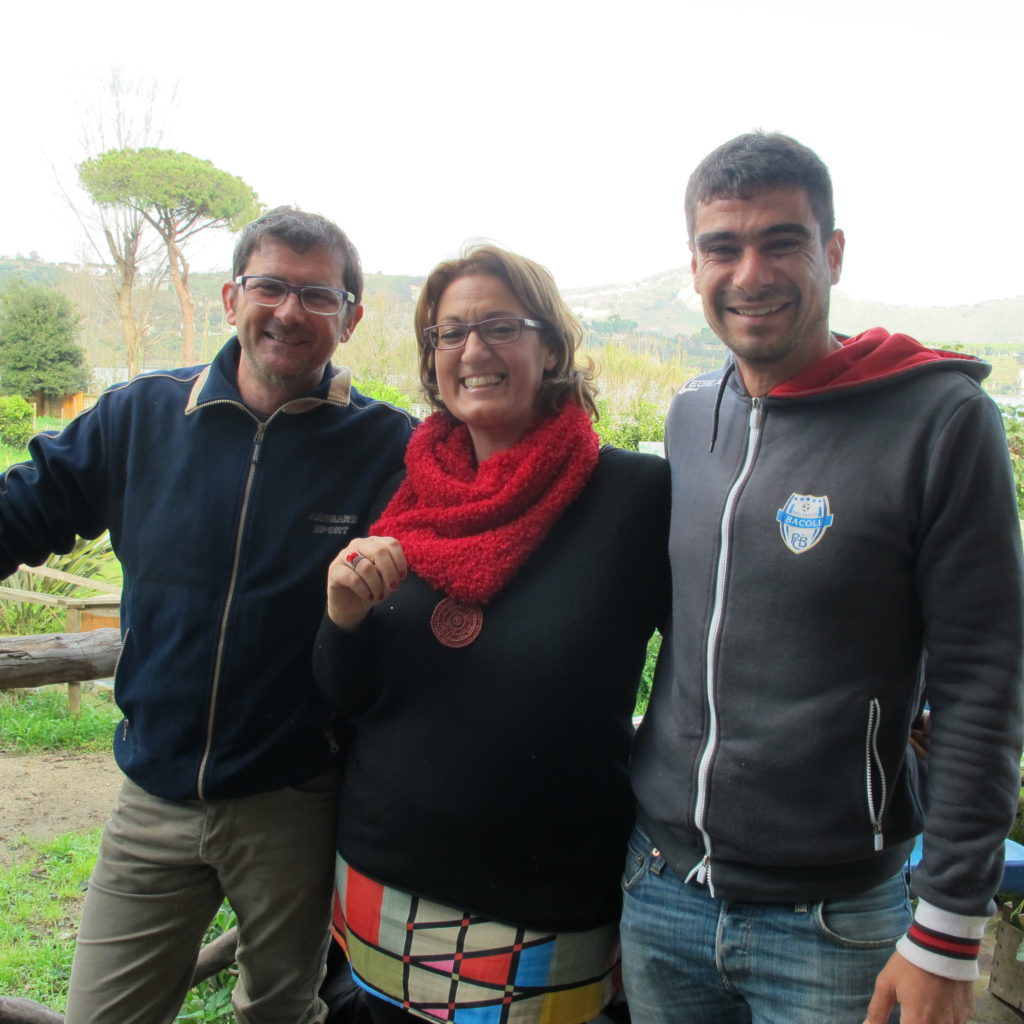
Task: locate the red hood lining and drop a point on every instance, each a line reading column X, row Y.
column 874, row 355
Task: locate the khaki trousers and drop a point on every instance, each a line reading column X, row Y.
column 163, row 870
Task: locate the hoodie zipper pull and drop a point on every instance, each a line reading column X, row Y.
column 756, row 413
column 699, row 872
column 257, row 445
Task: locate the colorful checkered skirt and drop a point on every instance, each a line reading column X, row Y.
column 444, row 964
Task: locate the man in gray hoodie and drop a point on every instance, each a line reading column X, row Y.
column 845, row 546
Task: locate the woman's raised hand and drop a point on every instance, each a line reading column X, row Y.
column 361, row 576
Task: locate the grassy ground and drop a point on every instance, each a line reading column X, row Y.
column 41, row 894
column 40, row 905
column 40, row 720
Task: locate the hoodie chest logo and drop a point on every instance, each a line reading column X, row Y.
column 803, row 521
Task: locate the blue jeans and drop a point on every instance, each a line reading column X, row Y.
column 688, row 958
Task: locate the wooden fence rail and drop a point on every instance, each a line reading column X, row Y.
column 50, row 658
column 71, row 657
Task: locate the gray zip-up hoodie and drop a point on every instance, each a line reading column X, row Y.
column 841, row 549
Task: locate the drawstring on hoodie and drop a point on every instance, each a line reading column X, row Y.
column 729, row 369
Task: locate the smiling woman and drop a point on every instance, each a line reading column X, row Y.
column 494, row 611
column 530, row 289
column 490, row 381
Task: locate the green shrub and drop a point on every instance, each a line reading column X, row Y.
column 643, row 694
column 210, row 1000
column 1015, row 442
column 641, row 421
column 16, row 421
column 374, row 387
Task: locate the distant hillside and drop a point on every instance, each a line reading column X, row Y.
column 998, row 322
column 663, row 306
column 28, row 271
column 666, row 304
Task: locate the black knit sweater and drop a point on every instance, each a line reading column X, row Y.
column 494, row 777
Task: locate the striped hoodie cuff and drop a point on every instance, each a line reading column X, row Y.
column 943, row 943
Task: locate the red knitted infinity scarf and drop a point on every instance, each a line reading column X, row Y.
column 467, row 530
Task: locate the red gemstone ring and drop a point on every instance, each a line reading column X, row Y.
column 354, row 558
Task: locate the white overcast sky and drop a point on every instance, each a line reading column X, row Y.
column 564, row 130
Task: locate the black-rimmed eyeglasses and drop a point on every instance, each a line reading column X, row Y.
column 496, row 331
column 315, row 298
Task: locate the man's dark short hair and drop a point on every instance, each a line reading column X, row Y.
column 300, row 231
column 751, row 163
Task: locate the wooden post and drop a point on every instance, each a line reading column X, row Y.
column 75, row 688
column 87, row 615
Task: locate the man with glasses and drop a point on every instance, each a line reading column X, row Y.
column 844, row 544
column 227, row 490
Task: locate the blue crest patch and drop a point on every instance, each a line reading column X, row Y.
column 803, row 521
